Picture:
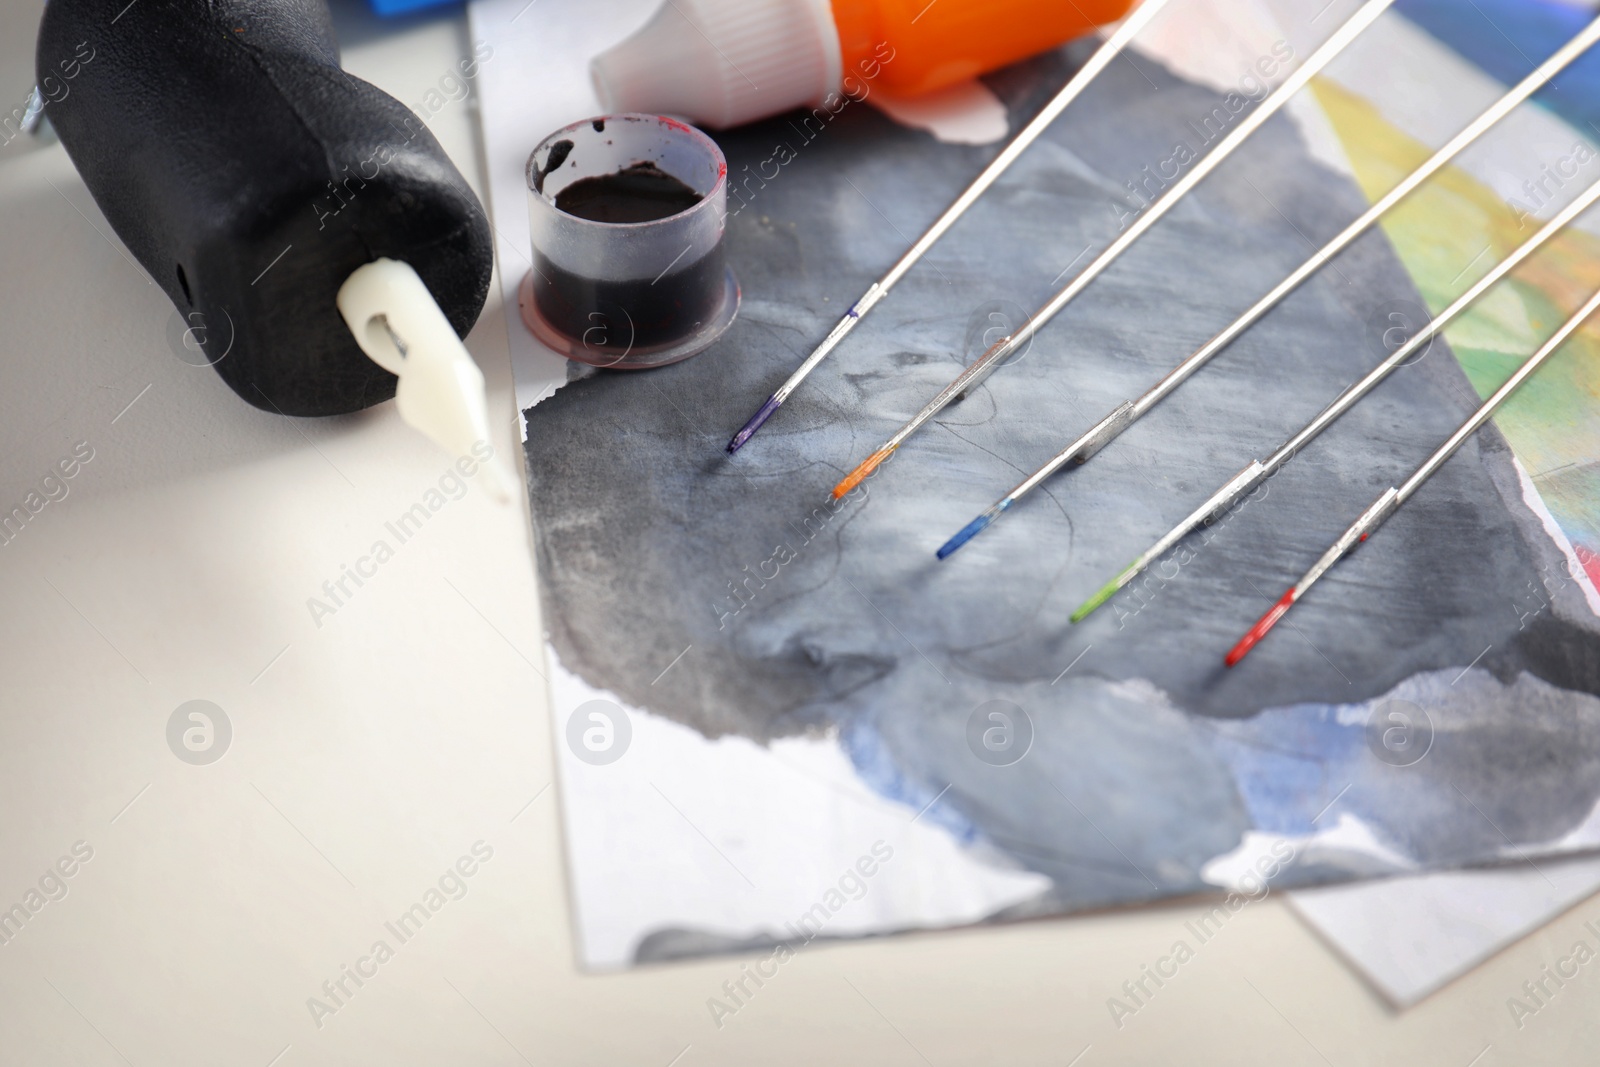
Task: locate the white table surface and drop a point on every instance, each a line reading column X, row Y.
column 370, row 753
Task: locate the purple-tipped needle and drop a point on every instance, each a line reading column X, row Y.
column 749, row 429
column 1102, row 58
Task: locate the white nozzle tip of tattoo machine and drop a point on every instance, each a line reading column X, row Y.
column 441, row 393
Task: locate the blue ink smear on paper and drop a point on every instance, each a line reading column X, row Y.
column 876, row 766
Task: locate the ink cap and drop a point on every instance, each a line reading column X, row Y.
column 628, row 293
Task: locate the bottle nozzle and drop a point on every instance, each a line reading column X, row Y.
column 441, row 393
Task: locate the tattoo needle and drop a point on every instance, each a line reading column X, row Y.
column 1102, row 58
column 1391, row 499
column 1002, row 350
column 1112, row 426
column 1257, row 472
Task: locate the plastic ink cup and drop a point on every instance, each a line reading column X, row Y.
column 626, row 215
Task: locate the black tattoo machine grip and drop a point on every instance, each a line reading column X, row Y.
column 250, row 175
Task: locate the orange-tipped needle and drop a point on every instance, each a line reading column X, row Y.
column 999, row 354
column 859, row 475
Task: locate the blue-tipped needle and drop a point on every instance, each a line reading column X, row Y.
column 973, row 528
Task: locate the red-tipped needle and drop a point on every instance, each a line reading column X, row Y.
column 1259, row 630
column 1390, row 501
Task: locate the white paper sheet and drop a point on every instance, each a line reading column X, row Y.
column 1407, row 936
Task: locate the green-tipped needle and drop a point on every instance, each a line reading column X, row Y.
column 1107, row 591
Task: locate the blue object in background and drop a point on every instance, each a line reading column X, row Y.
column 1508, row 38
column 391, row 8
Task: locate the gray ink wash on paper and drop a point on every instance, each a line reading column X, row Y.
column 1149, row 759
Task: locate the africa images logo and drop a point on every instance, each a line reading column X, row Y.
column 199, row 732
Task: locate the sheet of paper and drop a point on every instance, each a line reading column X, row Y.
column 687, row 806
column 1411, row 936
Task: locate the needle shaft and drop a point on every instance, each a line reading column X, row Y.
column 1260, row 471
column 986, row 364
column 1102, row 58
column 1086, row 446
column 1388, row 503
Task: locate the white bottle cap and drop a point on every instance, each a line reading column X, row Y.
column 720, row 63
